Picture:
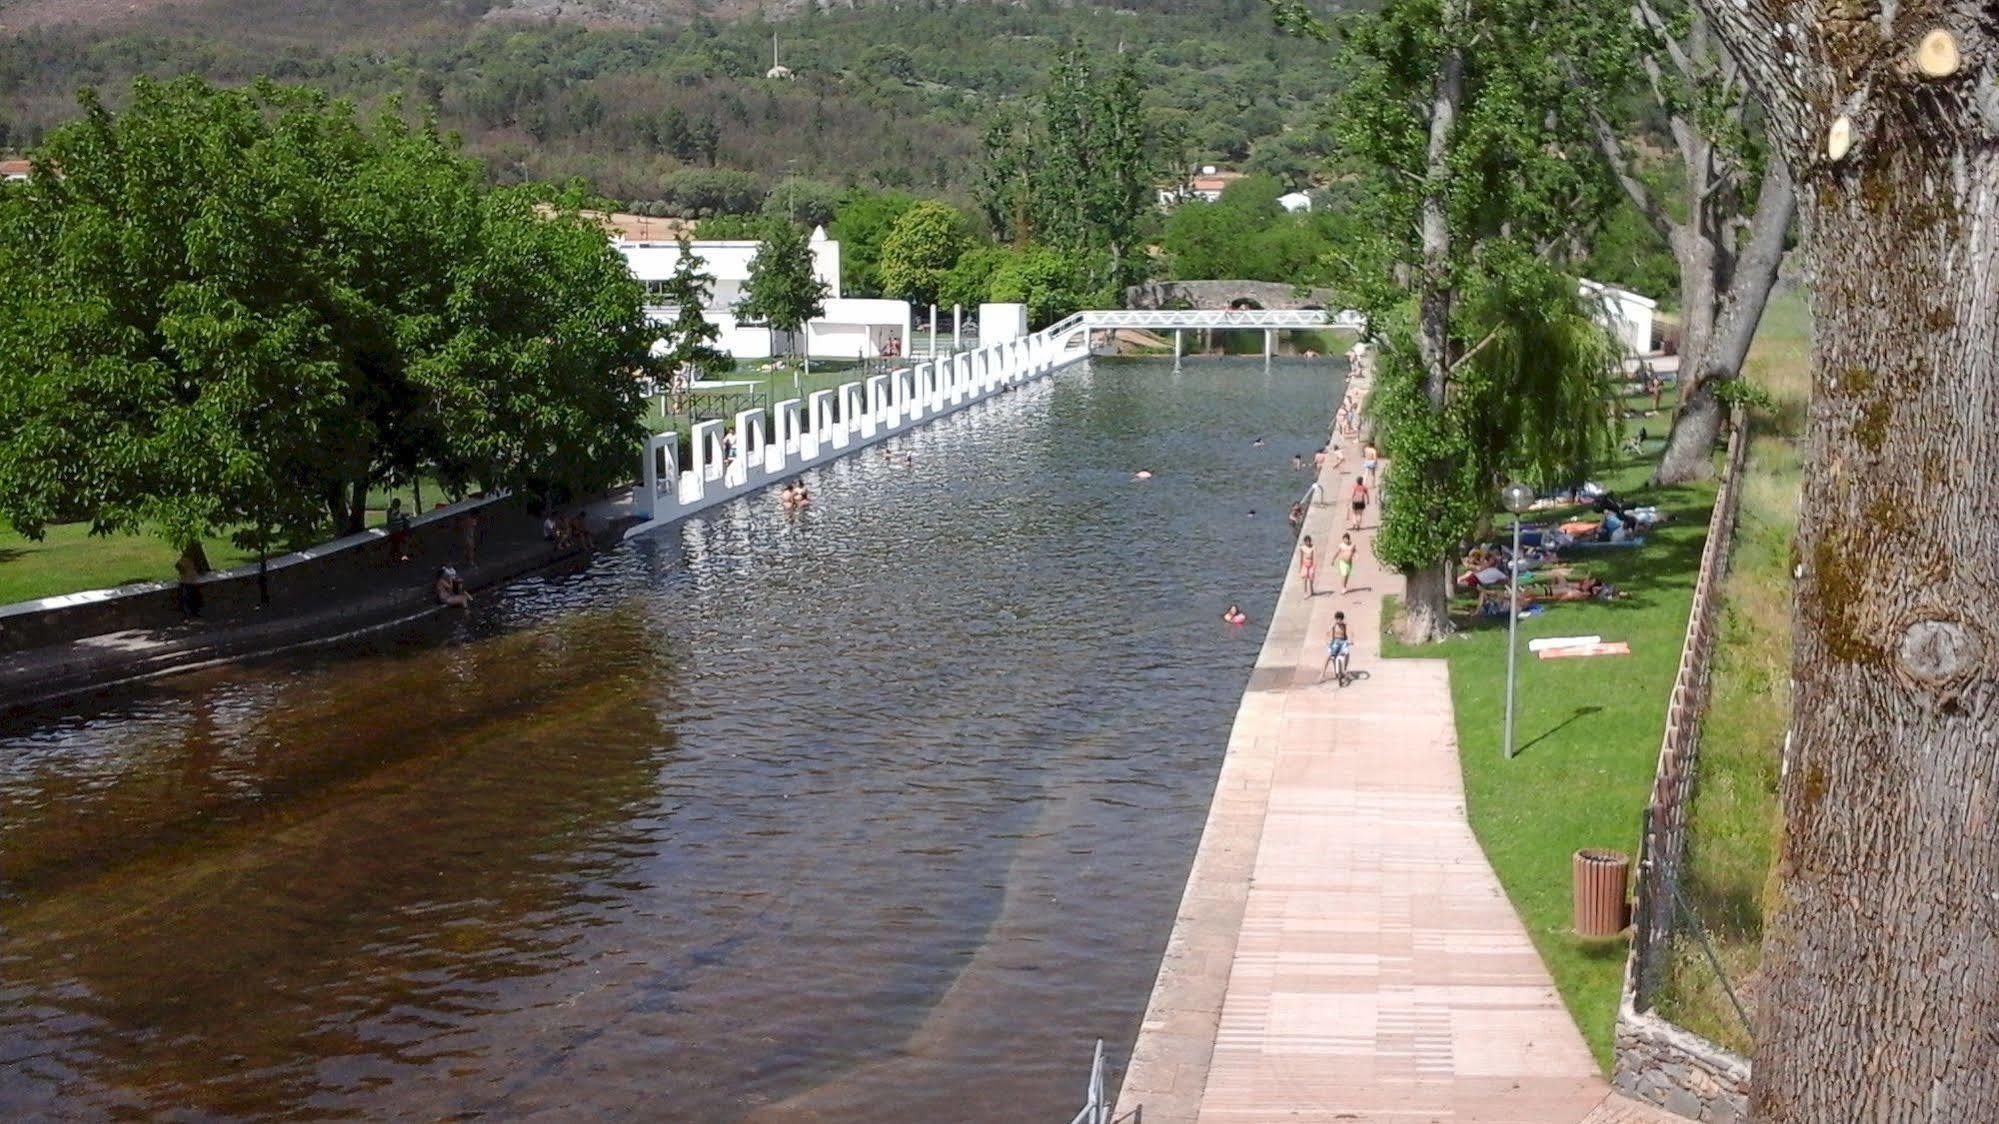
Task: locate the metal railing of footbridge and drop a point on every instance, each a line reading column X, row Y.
column 1220, row 318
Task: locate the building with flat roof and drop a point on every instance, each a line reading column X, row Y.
column 851, row 328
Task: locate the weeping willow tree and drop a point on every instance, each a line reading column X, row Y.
column 1527, row 401
column 1467, row 156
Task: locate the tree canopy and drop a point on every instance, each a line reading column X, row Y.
column 782, row 290
column 241, row 309
column 920, row 250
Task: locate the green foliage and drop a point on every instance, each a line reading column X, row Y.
column 861, row 226
column 242, row 309
column 1515, row 383
column 1051, row 283
column 1247, row 234
column 1076, row 172
column 889, row 96
column 732, row 228
column 1743, row 392
column 690, row 338
column 782, row 290
column 920, row 251
column 699, row 193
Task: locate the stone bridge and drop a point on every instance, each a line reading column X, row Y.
column 1217, row 295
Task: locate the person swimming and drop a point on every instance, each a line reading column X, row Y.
column 1234, row 614
column 1142, row 474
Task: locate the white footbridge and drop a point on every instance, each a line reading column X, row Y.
column 760, row 448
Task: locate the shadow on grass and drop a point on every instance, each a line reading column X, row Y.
column 1580, row 713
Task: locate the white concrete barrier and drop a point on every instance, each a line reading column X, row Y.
column 809, row 433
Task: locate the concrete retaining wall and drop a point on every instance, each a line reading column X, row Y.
column 297, row 578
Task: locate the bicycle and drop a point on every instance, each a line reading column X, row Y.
column 1337, row 663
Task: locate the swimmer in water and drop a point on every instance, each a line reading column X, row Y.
column 1142, row 474
column 1297, row 515
column 1235, row 615
column 1297, row 461
column 1256, row 444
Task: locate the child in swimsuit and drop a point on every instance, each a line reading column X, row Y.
column 1337, row 644
column 1343, row 561
column 1235, row 615
column 1370, row 460
column 1308, row 565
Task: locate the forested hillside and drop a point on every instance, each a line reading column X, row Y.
column 679, row 110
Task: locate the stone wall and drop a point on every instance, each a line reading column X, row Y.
column 1677, row 1070
column 1216, row 295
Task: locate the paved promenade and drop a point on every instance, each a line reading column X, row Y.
column 1343, row 952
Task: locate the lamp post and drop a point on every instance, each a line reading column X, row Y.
column 1516, row 498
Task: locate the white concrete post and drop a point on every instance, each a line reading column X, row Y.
column 788, row 425
column 933, row 331
column 855, row 421
column 751, row 438
column 819, row 415
column 878, row 403
column 706, row 455
column 1269, row 343
column 957, row 327
column 1177, row 345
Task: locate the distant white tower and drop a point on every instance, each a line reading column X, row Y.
column 777, row 70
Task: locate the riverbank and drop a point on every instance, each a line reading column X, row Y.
column 136, row 634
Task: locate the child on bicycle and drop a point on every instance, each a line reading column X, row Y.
column 1338, row 647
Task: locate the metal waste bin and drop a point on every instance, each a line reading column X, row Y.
column 1601, row 878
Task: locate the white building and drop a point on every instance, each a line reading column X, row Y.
column 850, row 329
column 1295, row 201
column 1624, row 312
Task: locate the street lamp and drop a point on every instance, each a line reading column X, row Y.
column 1516, row 498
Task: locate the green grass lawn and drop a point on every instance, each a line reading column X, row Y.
column 1734, row 823
column 1588, row 732
column 69, row 559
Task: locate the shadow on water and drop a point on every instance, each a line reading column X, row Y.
column 872, row 812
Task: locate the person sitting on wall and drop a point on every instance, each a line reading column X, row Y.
column 450, row 588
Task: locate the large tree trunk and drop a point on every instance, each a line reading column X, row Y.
column 1882, row 959
column 1425, row 615
column 1426, row 605
column 1697, row 421
column 1884, row 956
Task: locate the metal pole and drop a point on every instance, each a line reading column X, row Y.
column 1512, row 629
column 957, row 327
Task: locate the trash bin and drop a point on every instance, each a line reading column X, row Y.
column 1601, row 878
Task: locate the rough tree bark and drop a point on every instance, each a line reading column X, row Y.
column 1882, row 960
column 1426, row 604
column 1718, row 279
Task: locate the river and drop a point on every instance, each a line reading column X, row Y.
column 880, row 811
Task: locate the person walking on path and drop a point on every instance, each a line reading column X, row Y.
column 1343, row 561
column 1359, row 503
column 1308, row 566
column 1371, row 461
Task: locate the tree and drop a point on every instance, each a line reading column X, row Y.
column 1728, row 232
column 1467, row 156
column 920, row 251
column 1076, row 172
column 1051, row 283
column 1882, row 983
column 782, row 289
column 861, row 226
column 240, row 310
column 690, row 338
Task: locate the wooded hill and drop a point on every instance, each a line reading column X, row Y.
column 892, row 96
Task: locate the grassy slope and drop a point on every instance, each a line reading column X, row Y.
column 69, row 558
column 1588, row 731
column 1734, row 821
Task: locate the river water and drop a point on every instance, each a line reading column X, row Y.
column 877, row 812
